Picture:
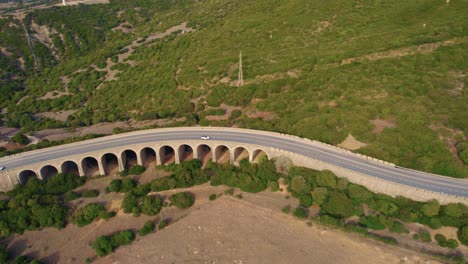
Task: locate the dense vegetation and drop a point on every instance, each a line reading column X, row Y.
column 37, row 205
column 310, row 68
column 338, row 200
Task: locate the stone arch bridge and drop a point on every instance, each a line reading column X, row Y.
column 101, row 156
column 105, row 161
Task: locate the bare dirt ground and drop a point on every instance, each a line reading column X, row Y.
column 381, row 124
column 351, row 143
column 60, row 116
column 230, row 230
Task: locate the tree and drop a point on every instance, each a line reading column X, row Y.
column 20, row 138
column 430, row 208
column 338, row 204
column 453, row 210
column 319, row 194
column 299, row 185
column 359, row 193
column 102, row 246
column 326, row 179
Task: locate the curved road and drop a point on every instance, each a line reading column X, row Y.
column 349, row 161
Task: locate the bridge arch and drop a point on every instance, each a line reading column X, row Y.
column 90, row 166
column 48, row 171
column 109, row 162
column 258, row 155
column 204, row 153
column 167, row 155
column 129, row 159
column 70, row 167
column 185, row 153
column 26, row 175
column 148, row 156
column 240, row 153
column 222, row 154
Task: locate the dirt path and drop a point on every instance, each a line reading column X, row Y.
column 395, row 53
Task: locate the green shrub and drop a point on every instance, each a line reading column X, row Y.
column 355, row 228
column 435, row 223
column 163, row 223
column 273, row 186
column 452, row 243
column 326, row 179
column 90, row 194
column 338, row 204
column 306, row 200
column 229, row 191
column 330, row 220
column 359, row 193
column 115, row 185
column 105, row 245
column 319, row 195
column 441, row 240
column 430, row 208
column 127, row 185
column 235, row 114
column 151, row 205
column 129, row 203
column 87, row 214
column 239, row 196
column 416, row 237
column 135, row 170
column 107, row 215
column 182, row 199
column 425, row 236
column 398, row 228
column 162, row 184
column 299, row 185
column 300, row 213
column 147, row 228
column 70, row 196
column 286, row 209
column 20, row 138
column 373, row 222
column 212, row 197
column 463, row 235
column 384, row 239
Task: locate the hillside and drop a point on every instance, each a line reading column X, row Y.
column 388, row 74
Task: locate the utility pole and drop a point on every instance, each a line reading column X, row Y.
column 240, row 80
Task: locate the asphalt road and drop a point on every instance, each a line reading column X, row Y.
column 349, row 161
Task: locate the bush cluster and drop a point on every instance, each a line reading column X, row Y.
column 87, row 214
column 105, row 245
column 147, row 228
column 182, row 199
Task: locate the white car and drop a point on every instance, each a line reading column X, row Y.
column 205, row 137
column 2, row 168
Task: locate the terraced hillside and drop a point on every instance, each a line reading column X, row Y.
column 387, row 76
